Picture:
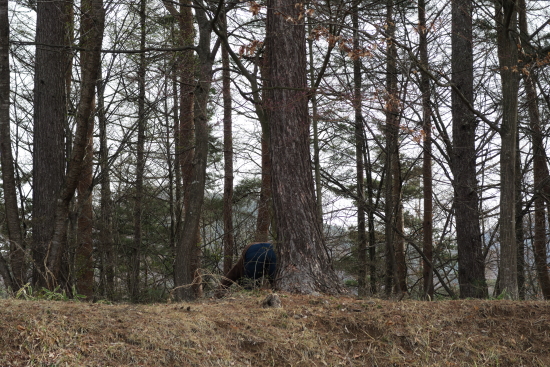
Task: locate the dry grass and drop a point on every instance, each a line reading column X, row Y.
column 306, row 331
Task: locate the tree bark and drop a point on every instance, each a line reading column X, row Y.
column 17, row 253
column 395, row 245
column 303, row 262
column 187, row 271
column 427, row 224
column 49, row 123
column 84, row 263
column 471, row 267
column 93, row 22
column 228, row 237
column 506, row 18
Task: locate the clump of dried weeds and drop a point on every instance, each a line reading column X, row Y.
column 305, row 331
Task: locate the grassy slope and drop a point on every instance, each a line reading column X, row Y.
column 306, row 331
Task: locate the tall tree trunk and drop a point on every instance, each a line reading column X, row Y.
column 186, row 148
column 541, row 176
column 228, row 237
column 395, row 252
column 106, row 242
column 17, row 253
column 188, row 249
column 84, row 264
column 427, row 224
column 135, row 254
column 187, row 265
column 359, row 163
column 48, row 134
column 93, row 24
column 506, row 17
column 303, row 262
column 471, row 267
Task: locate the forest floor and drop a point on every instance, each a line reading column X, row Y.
column 305, row 331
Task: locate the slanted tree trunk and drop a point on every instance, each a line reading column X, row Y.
column 8, row 173
column 427, row 224
column 228, row 237
column 471, row 267
column 93, row 24
column 48, row 135
column 506, row 17
column 303, row 262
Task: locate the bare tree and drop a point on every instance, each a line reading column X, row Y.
column 135, row 254
column 84, row 263
column 187, row 271
column 427, row 225
column 395, row 244
column 471, row 267
column 506, row 19
column 48, row 136
column 93, row 19
column 228, row 239
column 359, row 154
column 6, row 156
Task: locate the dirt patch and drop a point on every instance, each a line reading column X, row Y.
column 306, row 331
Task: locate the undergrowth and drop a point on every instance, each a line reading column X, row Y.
column 305, row 331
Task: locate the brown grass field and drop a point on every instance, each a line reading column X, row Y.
column 306, row 331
